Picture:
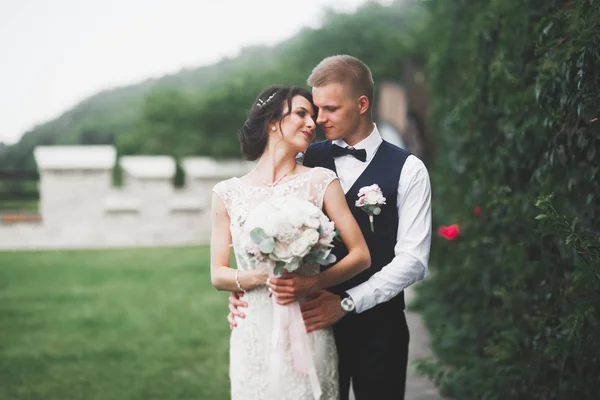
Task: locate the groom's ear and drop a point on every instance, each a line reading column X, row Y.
column 363, row 104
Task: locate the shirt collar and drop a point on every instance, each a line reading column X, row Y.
column 370, row 144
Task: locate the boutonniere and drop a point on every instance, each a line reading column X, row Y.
column 370, row 200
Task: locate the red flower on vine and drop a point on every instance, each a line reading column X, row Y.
column 449, row 232
column 477, row 211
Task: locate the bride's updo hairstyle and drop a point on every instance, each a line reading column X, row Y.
column 267, row 108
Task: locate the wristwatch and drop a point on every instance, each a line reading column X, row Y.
column 348, row 305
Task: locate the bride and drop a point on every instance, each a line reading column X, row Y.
column 280, row 124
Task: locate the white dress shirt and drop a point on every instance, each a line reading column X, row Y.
column 413, row 239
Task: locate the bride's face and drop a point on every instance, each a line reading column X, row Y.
column 298, row 128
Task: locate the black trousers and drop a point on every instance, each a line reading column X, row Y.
column 373, row 353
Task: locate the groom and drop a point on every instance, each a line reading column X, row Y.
column 367, row 311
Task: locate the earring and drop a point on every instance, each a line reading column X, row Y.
column 273, row 128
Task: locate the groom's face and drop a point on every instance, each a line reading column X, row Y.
column 338, row 111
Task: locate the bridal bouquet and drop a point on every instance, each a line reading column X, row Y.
column 282, row 232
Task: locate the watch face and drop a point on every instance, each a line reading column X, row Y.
column 347, row 304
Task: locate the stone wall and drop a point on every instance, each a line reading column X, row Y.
column 80, row 208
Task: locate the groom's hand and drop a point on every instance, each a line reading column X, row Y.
column 235, row 302
column 323, row 311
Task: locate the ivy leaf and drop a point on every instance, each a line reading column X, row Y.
column 538, row 92
column 574, row 223
column 591, row 153
column 541, row 216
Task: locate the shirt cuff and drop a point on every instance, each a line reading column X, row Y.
column 363, row 298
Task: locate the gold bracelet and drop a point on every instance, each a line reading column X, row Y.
column 237, row 280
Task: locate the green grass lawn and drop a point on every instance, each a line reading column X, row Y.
column 118, row 324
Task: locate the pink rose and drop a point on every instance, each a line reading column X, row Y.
column 253, row 249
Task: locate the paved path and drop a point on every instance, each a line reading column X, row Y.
column 417, row 387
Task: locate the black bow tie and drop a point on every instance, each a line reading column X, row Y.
column 338, row 151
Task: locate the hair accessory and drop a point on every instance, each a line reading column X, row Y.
column 262, row 103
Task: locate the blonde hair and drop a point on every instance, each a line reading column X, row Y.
column 346, row 70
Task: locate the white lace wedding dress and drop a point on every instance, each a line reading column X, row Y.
column 250, row 343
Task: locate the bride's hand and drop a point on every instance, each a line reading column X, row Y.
column 291, row 287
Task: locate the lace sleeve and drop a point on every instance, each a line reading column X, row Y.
column 224, row 190
column 320, row 180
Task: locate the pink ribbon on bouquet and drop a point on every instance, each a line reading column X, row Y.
column 288, row 319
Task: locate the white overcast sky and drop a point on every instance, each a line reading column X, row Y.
column 54, row 54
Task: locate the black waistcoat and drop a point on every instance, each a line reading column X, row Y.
column 384, row 170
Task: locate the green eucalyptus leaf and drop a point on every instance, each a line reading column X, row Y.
column 258, row 235
column 267, row 245
column 278, row 270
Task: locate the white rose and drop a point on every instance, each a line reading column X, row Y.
column 269, row 225
column 374, row 198
column 311, row 236
column 312, row 222
column 294, row 217
column 363, row 191
column 287, row 233
column 327, row 238
column 283, row 252
column 299, row 248
column 326, row 222
column 369, row 189
column 312, row 210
